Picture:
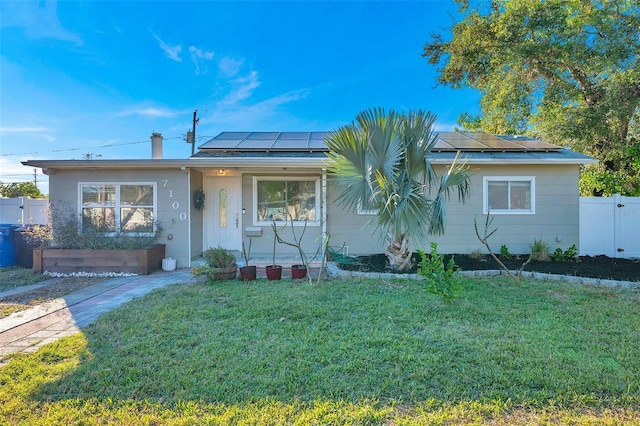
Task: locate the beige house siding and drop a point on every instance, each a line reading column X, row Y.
column 172, row 200
column 262, row 246
column 556, row 218
column 556, row 215
column 197, row 217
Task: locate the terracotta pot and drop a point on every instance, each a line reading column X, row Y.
column 248, row 273
column 274, row 272
column 298, row 272
column 225, row 273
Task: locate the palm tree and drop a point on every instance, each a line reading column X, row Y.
column 381, row 161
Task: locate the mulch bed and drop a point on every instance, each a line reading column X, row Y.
column 602, row 267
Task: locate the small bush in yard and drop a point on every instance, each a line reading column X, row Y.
column 568, row 255
column 540, row 251
column 69, row 230
column 504, row 252
column 441, row 280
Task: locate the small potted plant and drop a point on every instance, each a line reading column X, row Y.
column 273, row 271
column 247, row 272
column 221, row 264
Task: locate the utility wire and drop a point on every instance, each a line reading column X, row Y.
column 93, row 147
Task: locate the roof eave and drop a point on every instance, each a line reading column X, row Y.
column 258, row 161
column 501, row 161
column 182, row 164
column 248, row 162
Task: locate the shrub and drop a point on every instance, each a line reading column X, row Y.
column 540, row 251
column 219, row 264
column 504, row 252
column 567, row 255
column 441, row 280
column 67, row 230
column 218, row 257
column 37, row 236
column 476, row 254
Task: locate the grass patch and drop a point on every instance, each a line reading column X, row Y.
column 360, row 351
column 14, row 276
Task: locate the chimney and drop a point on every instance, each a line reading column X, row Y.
column 156, row 146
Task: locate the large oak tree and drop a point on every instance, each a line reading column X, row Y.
column 20, row 189
column 567, row 71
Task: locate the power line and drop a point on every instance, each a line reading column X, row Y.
column 94, row 147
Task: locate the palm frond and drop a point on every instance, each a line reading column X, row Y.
column 457, row 177
column 383, row 158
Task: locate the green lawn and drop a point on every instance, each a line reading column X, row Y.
column 361, row 351
column 12, row 277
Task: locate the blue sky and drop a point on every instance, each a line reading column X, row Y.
column 97, row 78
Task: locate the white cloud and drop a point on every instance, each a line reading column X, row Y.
column 13, row 171
column 148, row 111
column 242, row 88
column 264, row 114
column 283, row 99
column 31, row 131
column 230, row 67
column 199, row 53
column 26, row 129
column 38, row 19
column 172, row 53
column 198, row 57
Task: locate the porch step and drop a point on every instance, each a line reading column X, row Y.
column 261, row 262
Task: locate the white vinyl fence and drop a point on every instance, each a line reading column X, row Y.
column 23, row 210
column 610, row 226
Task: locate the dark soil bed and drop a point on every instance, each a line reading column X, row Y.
column 585, row 266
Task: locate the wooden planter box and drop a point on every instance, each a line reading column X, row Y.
column 66, row 261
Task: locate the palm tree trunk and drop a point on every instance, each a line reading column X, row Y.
column 398, row 252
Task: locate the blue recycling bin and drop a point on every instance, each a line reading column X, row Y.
column 7, row 245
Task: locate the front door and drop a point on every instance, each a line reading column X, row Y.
column 223, row 218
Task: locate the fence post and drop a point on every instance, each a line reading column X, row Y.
column 615, row 199
column 37, row 261
column 24, row 205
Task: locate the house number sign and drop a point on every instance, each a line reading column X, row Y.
column 175, row 205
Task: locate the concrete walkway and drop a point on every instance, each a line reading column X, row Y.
column 28, row 330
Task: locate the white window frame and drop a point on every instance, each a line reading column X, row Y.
column 365, row 212
column 117, row 205
column 315, row 179
column 485, row 194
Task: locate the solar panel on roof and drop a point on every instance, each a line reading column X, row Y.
column 221, row 144
column 453, row 136
column 460, row 141
column 493, row 142
column 440, row 145
column 232, row 135
column 314, row 141
column 317, row 144
column 264, row 135
column 530, row 143
column 255, row 144
column 295, row 135
column 479, row 141
column 291, row 144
